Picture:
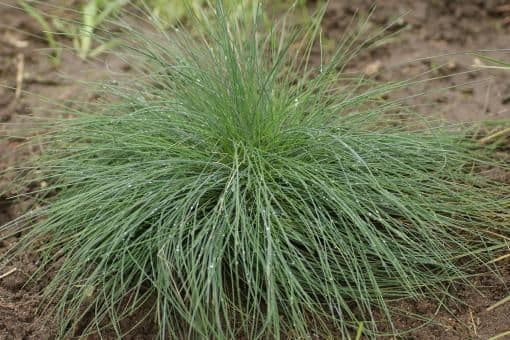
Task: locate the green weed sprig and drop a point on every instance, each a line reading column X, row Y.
column 93, row 14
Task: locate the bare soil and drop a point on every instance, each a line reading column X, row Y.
column 428, row 28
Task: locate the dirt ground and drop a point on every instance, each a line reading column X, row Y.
column 428, row 28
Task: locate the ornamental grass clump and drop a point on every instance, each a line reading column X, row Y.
column 240, row 190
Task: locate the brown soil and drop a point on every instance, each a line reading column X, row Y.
column 430, row 28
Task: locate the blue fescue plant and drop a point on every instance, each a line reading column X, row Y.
column 246, row 192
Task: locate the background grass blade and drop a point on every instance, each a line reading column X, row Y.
column 47, row 30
